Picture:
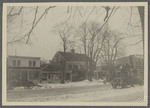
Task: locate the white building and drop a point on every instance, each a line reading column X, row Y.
column 26, row 68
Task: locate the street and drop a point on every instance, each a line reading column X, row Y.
column 95, row 93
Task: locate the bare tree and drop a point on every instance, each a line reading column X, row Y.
column 82, row 39
column 112, row 48
column 82, row 35
column 141, row 14
column 14, row 14
column 64, row 31
column 95, row 44
column 91, row 38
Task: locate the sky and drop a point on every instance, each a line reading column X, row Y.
column 45, row 43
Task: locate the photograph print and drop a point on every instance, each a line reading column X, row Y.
column 89, row 54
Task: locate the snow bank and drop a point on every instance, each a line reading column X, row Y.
column 72, row 84
column 67, row 84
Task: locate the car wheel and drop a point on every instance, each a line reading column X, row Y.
column 26, row 87
column 114, row 86
column 124, row 84
column 132, row 85
column 31, row 87
column 10, row 87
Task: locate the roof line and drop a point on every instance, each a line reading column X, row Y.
column 23, row 56
column 60, row 54
column 45, row 66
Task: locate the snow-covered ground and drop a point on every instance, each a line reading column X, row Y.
column 67, row 84
column 110, row 95
column 72, row 84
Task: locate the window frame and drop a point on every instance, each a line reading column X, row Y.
column 29, row 63
column 14, row 62
column 34, row 63
column 18, row 62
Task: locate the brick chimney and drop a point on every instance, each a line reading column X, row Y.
column 72, row 51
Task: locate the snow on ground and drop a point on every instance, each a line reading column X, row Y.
column 72, row 84
column 67, row 84
column 127, row 94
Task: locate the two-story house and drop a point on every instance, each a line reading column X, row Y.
column 75, row 67
column 25, row 68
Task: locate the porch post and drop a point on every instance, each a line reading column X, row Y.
column 28, row 75
column 71, row 76
column 47, row 76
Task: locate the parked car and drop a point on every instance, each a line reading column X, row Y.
column 21, row 83
column 123, row 79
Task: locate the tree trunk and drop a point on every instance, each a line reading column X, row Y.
column 141, row 14
column 62, row 72
column 63, row 67
column 86, row 69
column 91, row 71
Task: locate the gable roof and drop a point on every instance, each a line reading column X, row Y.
column 52, row 67
column 74, row 56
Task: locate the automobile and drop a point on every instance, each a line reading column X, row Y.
column 124, row 81
column 21, row 83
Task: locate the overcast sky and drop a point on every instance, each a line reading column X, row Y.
column 45, row 44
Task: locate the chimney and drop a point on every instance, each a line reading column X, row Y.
column 72, row 51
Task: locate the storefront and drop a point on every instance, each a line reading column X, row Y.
column 30, row 74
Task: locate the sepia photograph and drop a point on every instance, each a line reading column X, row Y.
column 88, row 54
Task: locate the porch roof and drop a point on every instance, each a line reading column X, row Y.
column 52, row 67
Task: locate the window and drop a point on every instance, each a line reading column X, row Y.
column 14, row 62
column 81, row 67
column 75, row 66
column 70, row 66
column 49, row 76
column 30, row 63
column 18, row 63
column 34, row 63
